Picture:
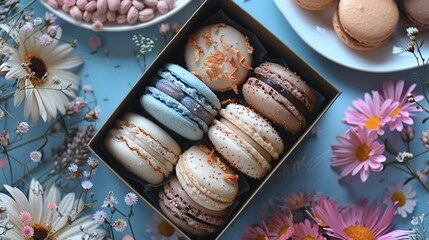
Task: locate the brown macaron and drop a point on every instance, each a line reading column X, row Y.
column 365, row 25
column 280, row 95
column 417, row 12
column 314, row 5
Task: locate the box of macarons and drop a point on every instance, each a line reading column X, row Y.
column 212, row 119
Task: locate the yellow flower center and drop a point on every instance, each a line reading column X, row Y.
column 307, row 238
column 396, row 111
column 297, row 202
column 362, row 153
column 165, row 229
column 260, row 237
column 283, row 230
column 373, row 123
column 359, row 233
column 40, row 232
column 36, row 67
column 400, row 198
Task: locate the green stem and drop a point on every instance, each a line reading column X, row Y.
column 10, row 165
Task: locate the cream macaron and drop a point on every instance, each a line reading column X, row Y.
column 246, row 140
column 207, row 178
column 143, row 148
column 219, row 55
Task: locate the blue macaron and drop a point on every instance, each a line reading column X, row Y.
column 180, row 101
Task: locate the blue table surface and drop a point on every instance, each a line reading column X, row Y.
column 113, row 70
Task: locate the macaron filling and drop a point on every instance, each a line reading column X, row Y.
column 189, row 90
column 177, row 106
column 286, row 92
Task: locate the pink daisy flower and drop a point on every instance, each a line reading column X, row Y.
column 321, row 203
column 306, row 231
column 358, row 151
column 256, row 233
column 362, row 223
column 280, row 226
column 404, row 196
column 402, row 113
column 371, row 112
column 298, row 200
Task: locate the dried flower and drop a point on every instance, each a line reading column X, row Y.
column 164, row 29
column 87, row 89
column 4, row 138
column 97, row 26
column 407, row 133
column 3, row 163
column 73, row 150
column 93, row 162
column 22, row 128
column 110, row 201
column 402, row 156
column 35, row 156
column 27, row 232
column 130, row 199
column 120, row 225
column 94, row 42
column 86, row 185
column 100, row 217
column 93, row 115
column 25, row 217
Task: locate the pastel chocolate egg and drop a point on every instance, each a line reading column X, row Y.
column 132, row 15
column 146, row 14
column 76, row 13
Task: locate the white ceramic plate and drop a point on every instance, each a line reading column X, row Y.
column 111, row 27
column 315, row 28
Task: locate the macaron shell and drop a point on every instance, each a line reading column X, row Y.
column 129, row 155
column 173, row 189
column 207, row 174
column 255, row 126
column 144, row 143
column 196, row 194
column 270, row 108
column 171, row 118
column 285, row 77
column 174, row 216
column 196, row 83
column 314, row 5
column 368, row 21
column 237, row 151
column 158, row 140
column 349, row 41
column 219, row 55
column 417, row 11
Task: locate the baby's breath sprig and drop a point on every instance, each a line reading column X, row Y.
column 143, row 46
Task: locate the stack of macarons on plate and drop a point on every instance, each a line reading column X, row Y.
column 231, row 119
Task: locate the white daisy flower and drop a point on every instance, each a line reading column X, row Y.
column 46, row 223
column 404, row 196
column 35, row 66
column 161, row 229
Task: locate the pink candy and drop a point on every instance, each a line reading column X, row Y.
column 116, row 11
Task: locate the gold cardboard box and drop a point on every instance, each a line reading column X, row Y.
column 173, row 52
